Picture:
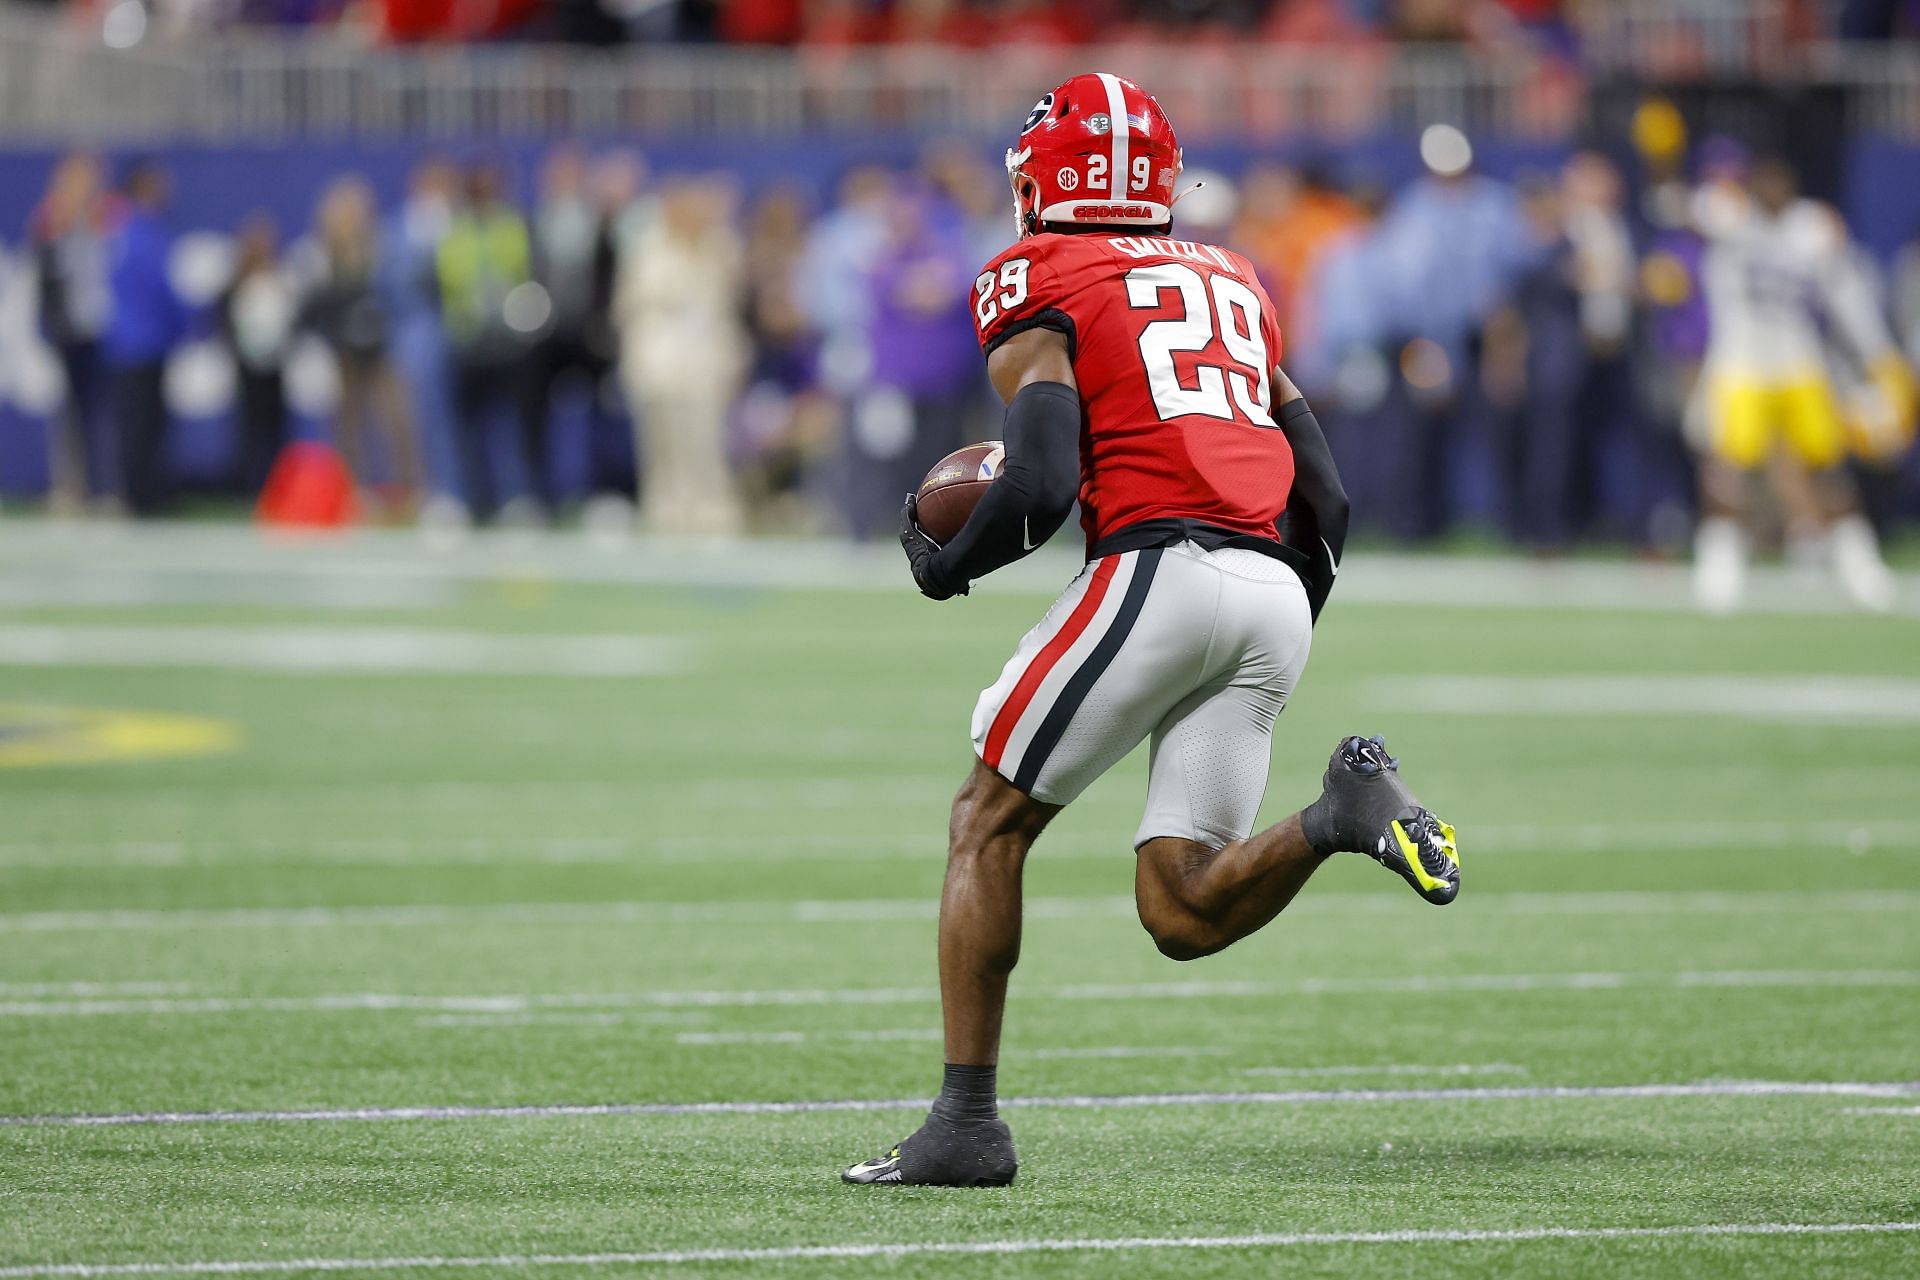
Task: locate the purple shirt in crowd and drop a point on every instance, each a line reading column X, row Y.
column 921, row 328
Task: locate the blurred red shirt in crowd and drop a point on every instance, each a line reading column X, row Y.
column 418, row 21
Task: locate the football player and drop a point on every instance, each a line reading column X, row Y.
column 1140, row 374
column 1777, row 278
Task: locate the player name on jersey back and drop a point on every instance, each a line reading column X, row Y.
column 1173, row 344
column 1166, row 247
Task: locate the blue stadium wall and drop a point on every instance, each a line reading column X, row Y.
column 217, row 186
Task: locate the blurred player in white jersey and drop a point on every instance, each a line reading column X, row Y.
column 1779, row 287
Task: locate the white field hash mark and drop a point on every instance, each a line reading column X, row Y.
column 1894, row 1090
column 977, row 1248
column 522, row 1002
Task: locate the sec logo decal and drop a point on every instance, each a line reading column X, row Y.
column 1068, row 179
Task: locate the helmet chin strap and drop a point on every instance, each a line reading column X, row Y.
column 1026, row 207
column 1182, row 195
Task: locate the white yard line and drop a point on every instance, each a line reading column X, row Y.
column 962, row 1248
column 173, row 810
column 722, row 1039
column 94, row 988
column 1396, row 1069
column 1859, row 837
column 109, row 586
column 1791, row 698
column 1125, row 1051
column 1079, row 1102
column 333, row 650
column 874, row 910
column 802, row 911
column 523, row 1002
column 526, row 1019
column 36, row 552
column 1881, row 1111
column 697, row 801
column 1856, row 836
column 624, row 1017
column 705, row 1039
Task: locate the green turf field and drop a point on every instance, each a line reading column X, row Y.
column 708, row 875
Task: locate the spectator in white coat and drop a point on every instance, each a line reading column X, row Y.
column 683, row 355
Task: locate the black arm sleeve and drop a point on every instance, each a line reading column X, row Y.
column 1315, row 523
column 1033, row 494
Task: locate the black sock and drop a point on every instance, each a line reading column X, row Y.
column 1317, row 825
column 968, row 1094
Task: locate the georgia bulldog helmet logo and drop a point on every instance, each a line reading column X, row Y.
column 1038, row 113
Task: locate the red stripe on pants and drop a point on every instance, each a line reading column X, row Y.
column 1043, row 662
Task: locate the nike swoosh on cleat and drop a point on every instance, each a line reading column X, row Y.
column 879, row 1169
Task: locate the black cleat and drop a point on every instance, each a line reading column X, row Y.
column 944, row 1153
column 1364, row 807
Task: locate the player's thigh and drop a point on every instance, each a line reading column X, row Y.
column 1812, row 423
column 1207, row 773
column 1740, row 414
column 1123, row 643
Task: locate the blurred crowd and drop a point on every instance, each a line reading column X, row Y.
column 1554, row 353
column 1559, row 27
column 657, row 344
column 1527, row 352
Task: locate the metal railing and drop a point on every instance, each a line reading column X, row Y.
column 61, row 83
column 1687, row 39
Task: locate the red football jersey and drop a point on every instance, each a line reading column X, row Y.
column 1174, row 345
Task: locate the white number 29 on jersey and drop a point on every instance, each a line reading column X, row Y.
column 1234, row 312
column 1013, row 290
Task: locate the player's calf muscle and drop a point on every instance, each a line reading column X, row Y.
column 992, row 827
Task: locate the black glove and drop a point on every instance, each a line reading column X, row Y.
column 920, row 551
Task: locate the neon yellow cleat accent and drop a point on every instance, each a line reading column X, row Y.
column 1427, row 856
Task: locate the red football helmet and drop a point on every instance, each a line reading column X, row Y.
column 1097, row 151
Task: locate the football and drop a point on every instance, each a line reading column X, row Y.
column 955, row 486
